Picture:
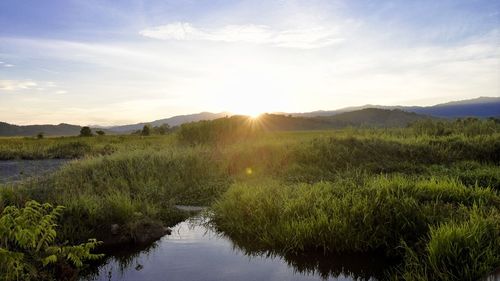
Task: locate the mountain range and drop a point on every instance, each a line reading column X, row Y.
column 366, row 115
column 62, row 129
column 481, row 107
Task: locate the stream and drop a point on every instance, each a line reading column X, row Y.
column 195, row 252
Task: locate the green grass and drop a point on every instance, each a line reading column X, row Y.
column 342, row 216
column 77, row 147
column 465, row 250
column 125, row 188
column 381, row 215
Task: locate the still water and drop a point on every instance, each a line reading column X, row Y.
column 194, row 252
column 16, row 170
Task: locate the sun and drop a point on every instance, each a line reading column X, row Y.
column 255, row 115
column 251, row 99
column 253, row 112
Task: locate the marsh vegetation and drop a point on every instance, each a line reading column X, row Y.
column 425, row 196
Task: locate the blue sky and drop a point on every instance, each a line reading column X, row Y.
column 116, row 62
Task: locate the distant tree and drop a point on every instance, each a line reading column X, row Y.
column 163, row 129
column 40, row 135
column 100, row 132
column 146, row 130
column 85, row 132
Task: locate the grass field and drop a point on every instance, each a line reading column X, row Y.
column 428, row 199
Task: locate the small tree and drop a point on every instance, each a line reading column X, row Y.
column 100, row 132
column 163, row 129
column 85, row 132
column 146, row 130
column 39, row 135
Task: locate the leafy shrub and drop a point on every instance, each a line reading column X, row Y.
column 28, row 249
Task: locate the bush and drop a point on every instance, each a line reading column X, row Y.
column 85, row 132
column 219, row 131
column 28, row 249
column 146, row 130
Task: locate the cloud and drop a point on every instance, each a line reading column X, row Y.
column 16, row 85
column 304, row 38
column 4, row 64
column 30, row 85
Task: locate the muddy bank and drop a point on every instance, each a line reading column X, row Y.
column 144, row 233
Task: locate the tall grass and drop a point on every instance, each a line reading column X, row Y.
column 380, row 215
column 77, row 147
column 463, row 250
column 324, row 158
column 125, row 188
column 341, row 216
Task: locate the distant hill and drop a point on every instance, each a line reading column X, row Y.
column 481, row 107
column 375, row 117
column 368, row 117
column 62, row 129
column 172, row 121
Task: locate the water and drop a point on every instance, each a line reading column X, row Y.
column 16, row 170
column 194, row 252
column 494, row 276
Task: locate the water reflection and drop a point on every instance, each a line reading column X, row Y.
column 373, row 266
column 195, row 252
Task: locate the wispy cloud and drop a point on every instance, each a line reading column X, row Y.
column 306, row 38
column 15, row 85
column 4, row 64
column 30, row 86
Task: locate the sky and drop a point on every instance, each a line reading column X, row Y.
column 97, row 62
